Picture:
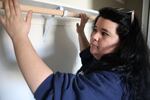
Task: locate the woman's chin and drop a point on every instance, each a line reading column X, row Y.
column 93, row 50
column 94, row 53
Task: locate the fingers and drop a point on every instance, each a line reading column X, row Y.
column 29, row 17
column 84, row 18
column 17, row 7
column 11, row 6
column 83, row 15
column 7, row 9
column 2, row 20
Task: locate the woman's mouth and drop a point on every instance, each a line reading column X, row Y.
column 94, row 45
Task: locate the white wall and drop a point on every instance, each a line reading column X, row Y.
column 97, row 4
column 84, row 4
column 136, row 5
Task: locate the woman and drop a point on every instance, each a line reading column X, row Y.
column 114, row 66
column 130, row 57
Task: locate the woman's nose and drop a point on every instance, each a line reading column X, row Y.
column 97, row 36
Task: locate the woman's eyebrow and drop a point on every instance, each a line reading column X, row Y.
column 106, row 30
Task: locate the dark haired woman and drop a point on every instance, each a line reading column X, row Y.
column 114, row 66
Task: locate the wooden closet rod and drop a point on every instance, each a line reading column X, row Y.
column 63, row 13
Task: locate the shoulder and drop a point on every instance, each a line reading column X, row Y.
column 104, row 85
column 106, row 78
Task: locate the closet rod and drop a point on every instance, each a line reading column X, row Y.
column 63, row 13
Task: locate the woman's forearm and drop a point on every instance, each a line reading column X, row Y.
column 31, row 65
column 83, row 42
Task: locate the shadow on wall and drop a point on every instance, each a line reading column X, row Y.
column 61, row 53
column 64, row 49
column 98, row 4
column 4, row 59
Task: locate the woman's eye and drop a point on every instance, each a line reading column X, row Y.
column 105, row 34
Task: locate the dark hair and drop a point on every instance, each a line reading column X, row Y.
column 131, row 56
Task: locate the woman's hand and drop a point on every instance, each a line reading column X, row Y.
column 80, row 27
column 83, row 42
column 16, row 26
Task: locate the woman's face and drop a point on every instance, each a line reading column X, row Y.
column 104, row 38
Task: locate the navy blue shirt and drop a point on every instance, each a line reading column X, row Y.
column 100, row 85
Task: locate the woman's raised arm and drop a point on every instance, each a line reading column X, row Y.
column 83, row 42
column 31, row 65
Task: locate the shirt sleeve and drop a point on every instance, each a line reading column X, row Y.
column 94, row 86
column 86, row 56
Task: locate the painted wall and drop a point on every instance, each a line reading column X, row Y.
column 97, row 4
column 137, row 6
column 74, row 3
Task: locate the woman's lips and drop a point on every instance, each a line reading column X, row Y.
column 94, row 45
